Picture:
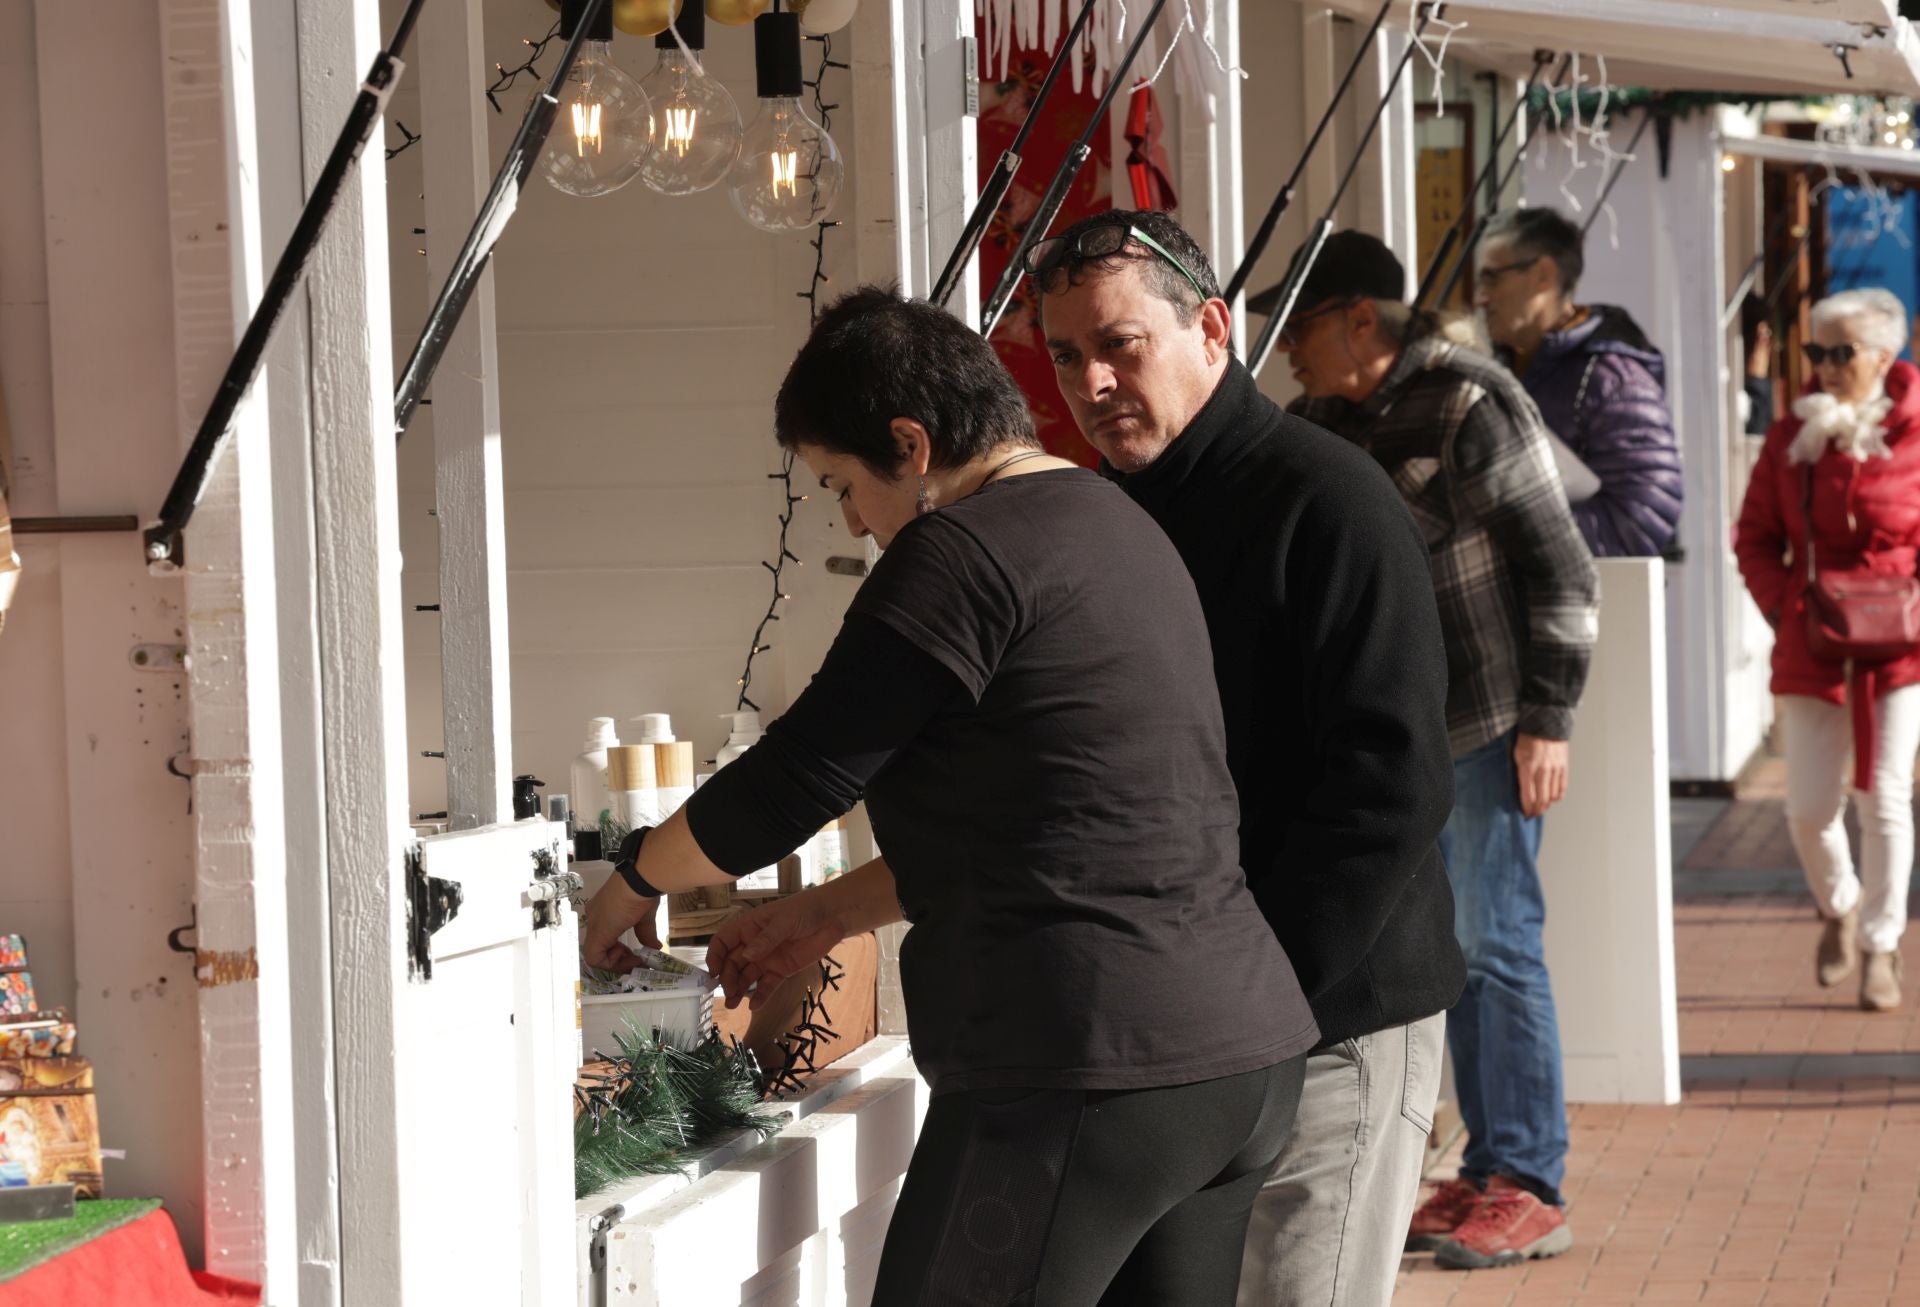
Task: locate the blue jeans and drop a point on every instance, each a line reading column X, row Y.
column 1503, row 1033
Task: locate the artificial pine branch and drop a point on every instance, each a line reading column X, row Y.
column 661, row 1099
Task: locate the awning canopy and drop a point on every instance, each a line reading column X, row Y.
column 1768, row 47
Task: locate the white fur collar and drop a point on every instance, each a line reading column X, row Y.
column 1856, row 430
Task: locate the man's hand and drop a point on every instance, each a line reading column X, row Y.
column 1760, row 354
column 753, row 951
column 1542, row 765
column 610, row 914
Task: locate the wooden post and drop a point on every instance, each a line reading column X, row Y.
column 466, row 430
column 245, row 1046
column 357, row 556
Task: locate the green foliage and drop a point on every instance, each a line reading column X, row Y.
column 662, row 1099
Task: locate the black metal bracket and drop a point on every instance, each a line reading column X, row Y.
column 431, row 904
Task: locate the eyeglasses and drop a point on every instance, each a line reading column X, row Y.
column 1289, row 335
column 1485, row 278
column 1103, row 242
column 1840, row 355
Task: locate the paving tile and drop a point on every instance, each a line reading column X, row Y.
column 1789, row 1175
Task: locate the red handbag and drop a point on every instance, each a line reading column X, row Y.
column 1857, row 615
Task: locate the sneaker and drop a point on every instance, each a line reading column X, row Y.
column 1509, row 1226
column 1445, row 1211
column 1839, row 950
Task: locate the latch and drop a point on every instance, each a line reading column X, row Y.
column 431, row 904
column 547, row 895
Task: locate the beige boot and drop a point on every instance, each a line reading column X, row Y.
column 1839, row 948
column 1880, row 982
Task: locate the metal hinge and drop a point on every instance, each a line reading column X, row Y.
column 431, row 904
column 970, row 51
column 551, row 887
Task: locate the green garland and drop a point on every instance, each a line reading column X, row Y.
column 661, row 1100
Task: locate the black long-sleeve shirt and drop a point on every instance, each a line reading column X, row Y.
column 1021, row 687
column 1333, row 677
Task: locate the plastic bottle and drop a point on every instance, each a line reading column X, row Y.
column 745, row 734
column 588, row 789
column 672, row 760
column 633, row 795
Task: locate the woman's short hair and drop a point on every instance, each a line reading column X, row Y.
column 1882, row 318
column 875, row 356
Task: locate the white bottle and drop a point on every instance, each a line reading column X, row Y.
column 673, row 760
column 588, row 792
column 745, row 733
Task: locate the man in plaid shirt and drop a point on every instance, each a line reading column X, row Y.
column 1518, row 598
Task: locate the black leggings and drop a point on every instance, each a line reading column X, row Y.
column 1050, row 1197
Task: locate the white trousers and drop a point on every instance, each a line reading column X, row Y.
column 1819, row 753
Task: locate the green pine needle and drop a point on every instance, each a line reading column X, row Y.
column 669, row 1099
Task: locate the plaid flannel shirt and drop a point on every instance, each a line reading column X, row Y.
column 1517, row 589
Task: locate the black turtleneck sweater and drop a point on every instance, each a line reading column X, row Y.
column 1333, row 677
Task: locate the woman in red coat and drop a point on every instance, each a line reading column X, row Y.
column 1856, row 438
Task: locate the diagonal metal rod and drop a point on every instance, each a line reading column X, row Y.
column 1780, row 227
column 1303, row 264
column 162, row 539
column 1619, row 166
column 1010, row 159
column 495, row 212
column 1062, row 182
column 1541, row 58
column 1461, row 263
column 1284, row 199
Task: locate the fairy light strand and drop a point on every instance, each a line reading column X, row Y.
column 783, row 554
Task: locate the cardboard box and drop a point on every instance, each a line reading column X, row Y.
column 49, row 1131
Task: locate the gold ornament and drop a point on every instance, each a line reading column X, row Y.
column 645, row 17
column 737, row 13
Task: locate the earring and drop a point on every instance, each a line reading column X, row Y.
column 924, row 504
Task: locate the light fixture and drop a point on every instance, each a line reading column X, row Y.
column 600, row 139
column 694, row 126
column 789, row 171
column 1728, row 163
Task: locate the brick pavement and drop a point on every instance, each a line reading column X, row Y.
column 1789, row 1175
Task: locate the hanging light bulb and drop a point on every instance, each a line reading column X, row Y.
column 599, row 140
column 695, row 126
column 789, row 171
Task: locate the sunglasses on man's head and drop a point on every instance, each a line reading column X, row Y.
column 1055, row 253
column 1840, row 355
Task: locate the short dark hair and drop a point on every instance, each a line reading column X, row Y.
column 874, row 356
column 1161, row 277
column 1537, row 232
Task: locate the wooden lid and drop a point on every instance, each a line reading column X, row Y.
column 630, row 767
column 673, row 763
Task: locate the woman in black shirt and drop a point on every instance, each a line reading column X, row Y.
column 1021, row 691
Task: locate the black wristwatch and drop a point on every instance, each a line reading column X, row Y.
column 629, row 854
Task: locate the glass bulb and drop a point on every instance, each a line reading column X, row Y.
column 789, row 171
column 599, row 137
column 694, row 127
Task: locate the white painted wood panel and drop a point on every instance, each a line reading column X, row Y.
column 232, row 633
column 110, row 350
column 1607, row 860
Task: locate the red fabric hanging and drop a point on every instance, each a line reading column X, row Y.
column 139, row 1264
column 1147, row 162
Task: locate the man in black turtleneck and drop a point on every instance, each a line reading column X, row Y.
column 1333, row 676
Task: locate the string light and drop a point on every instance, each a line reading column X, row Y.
column 782, row 555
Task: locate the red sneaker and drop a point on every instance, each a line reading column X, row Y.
column 1446, row 1210
column 1509, row 1226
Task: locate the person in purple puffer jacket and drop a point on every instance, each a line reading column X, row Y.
column 1597, row 380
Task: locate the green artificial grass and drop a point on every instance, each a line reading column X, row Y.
column 26, row 1244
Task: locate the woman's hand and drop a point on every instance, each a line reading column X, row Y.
column 753, row 951
column 610, row 914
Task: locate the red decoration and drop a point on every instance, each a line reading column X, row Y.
column 1146, row 159
column 1003, row 106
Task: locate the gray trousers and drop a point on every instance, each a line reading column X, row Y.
column 1330, row 1223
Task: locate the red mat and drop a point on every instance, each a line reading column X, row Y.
column 139, row 1264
